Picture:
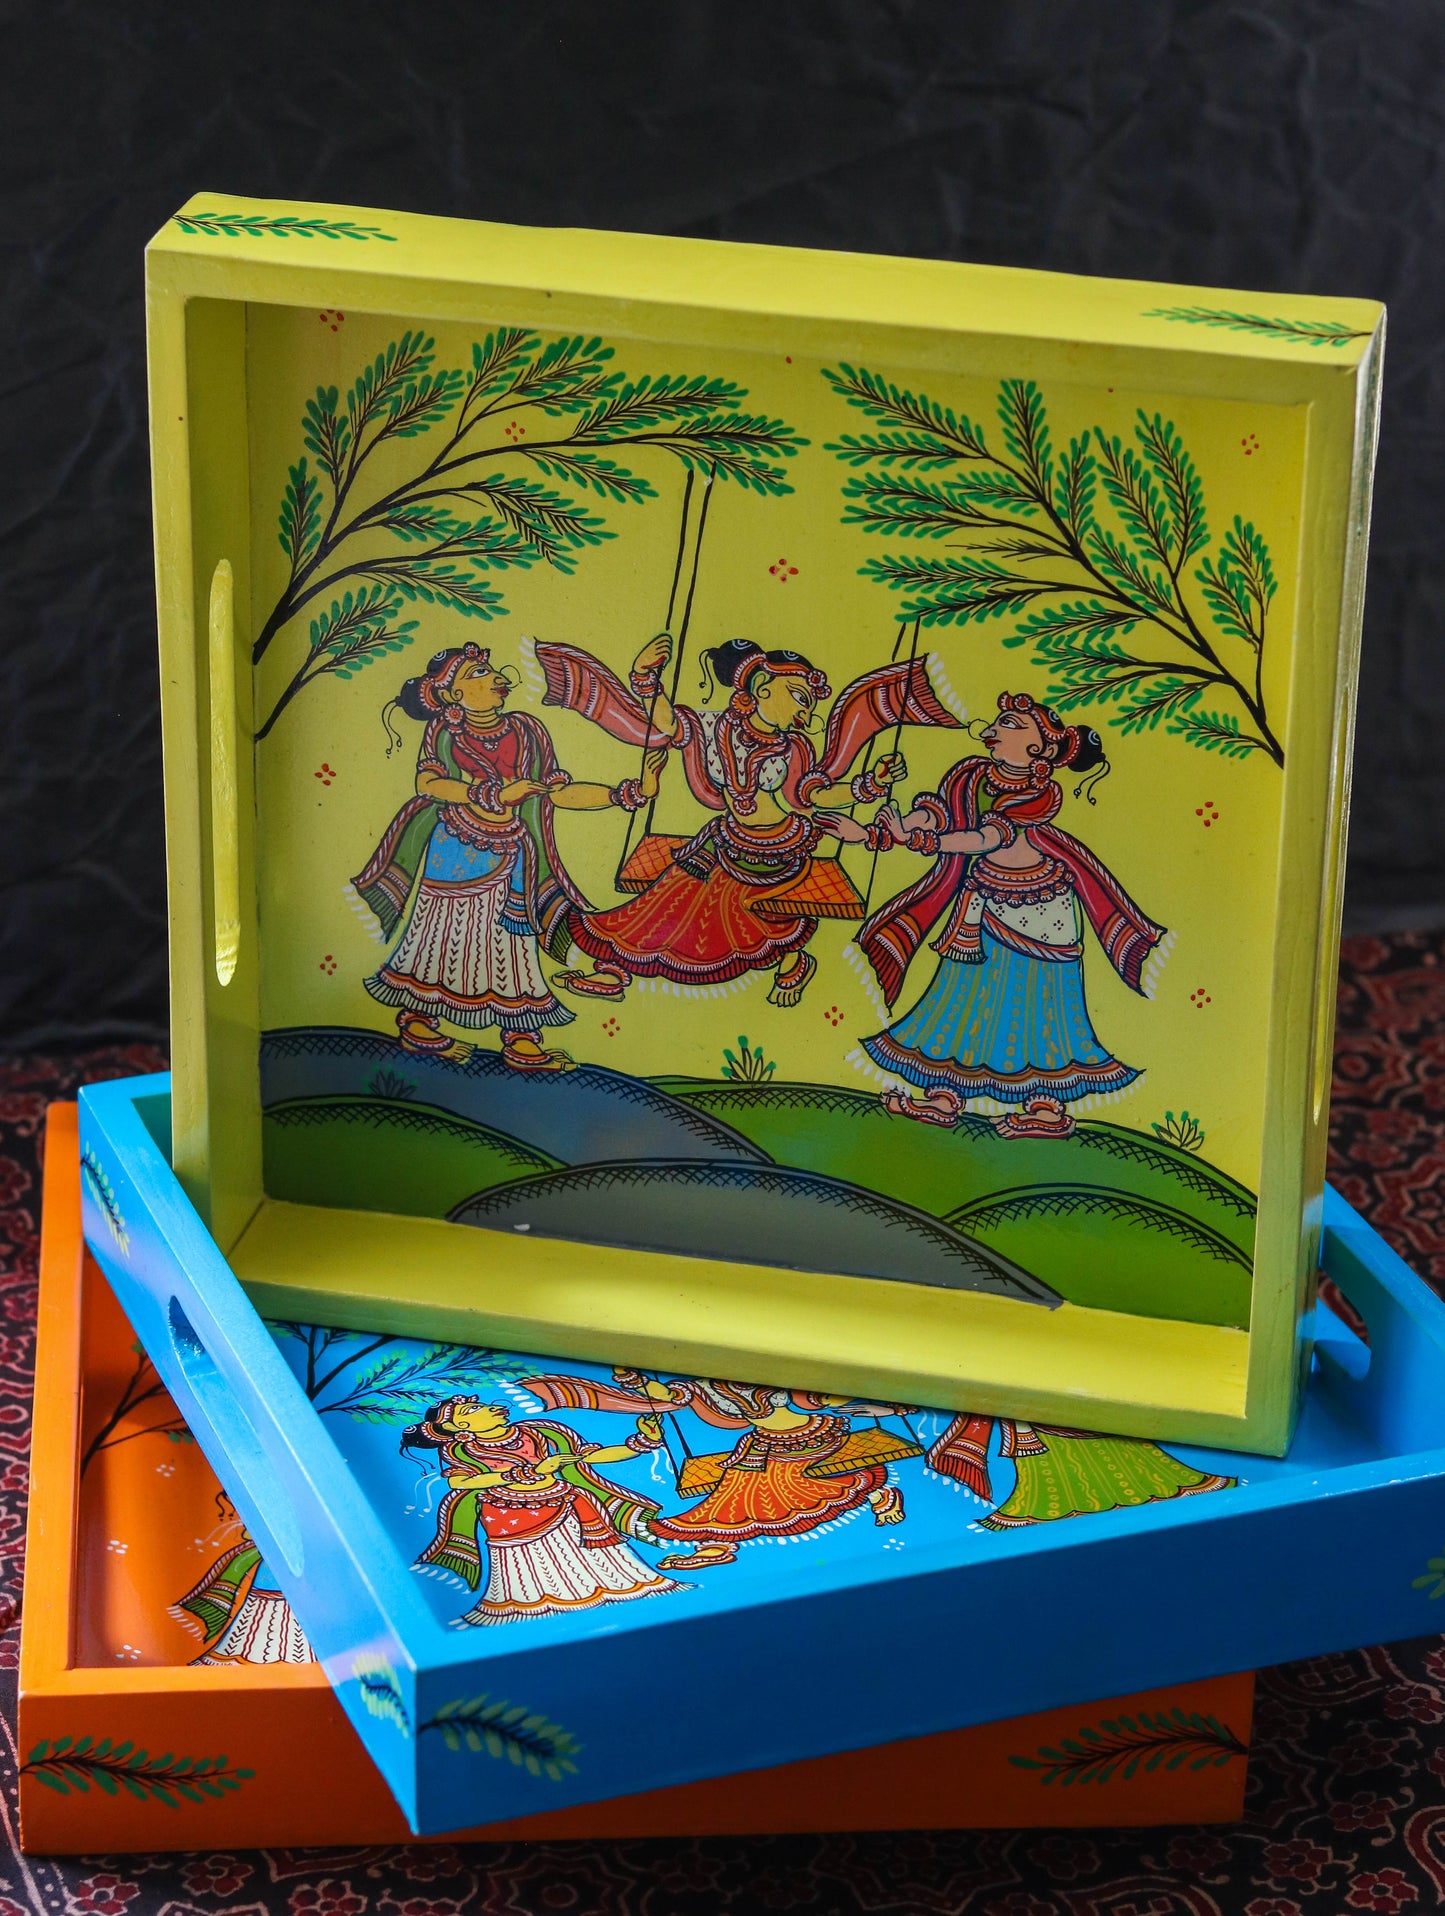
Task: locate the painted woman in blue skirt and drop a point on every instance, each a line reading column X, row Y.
column 1004, row 1017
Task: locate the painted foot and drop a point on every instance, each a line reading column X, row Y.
column 1039, row 1118
column 600, row 983
column 790, row 983
column 701, row 1558
column 886, row 1505
column 424, row 1036
column 525, row 1054
column 941, row 1106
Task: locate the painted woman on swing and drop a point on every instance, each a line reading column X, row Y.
column 745, row 892
column 1004, row 1016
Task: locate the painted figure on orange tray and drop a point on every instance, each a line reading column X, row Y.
column 237, row 1610
column 527, row 1508
column 800, row 1463
column 1063, row 1473
column 745, row 893
column 470, row 865
column 1004, row 1016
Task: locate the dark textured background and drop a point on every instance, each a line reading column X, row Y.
column 1294, row 145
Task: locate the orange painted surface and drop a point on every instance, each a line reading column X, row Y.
column 103, row 1657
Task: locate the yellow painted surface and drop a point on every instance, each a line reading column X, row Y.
column 701, row 1316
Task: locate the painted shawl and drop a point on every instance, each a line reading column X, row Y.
column 890, row 696
column 216, row 1599
column 388, row 878
column 891, row 937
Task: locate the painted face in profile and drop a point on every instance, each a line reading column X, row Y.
column 785, row 701
column 1015, row 741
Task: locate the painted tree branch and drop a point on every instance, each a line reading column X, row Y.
column 474, row 421
column 1168, row 1740
column 69, row 1765
column 502, row 1729
column 141, row 1388
column 1081, row 548
column 402, row 1384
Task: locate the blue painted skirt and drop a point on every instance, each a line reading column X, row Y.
column 1011, row 1028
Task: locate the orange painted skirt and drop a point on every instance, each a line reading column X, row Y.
column 769, row 1488
column 692, row 931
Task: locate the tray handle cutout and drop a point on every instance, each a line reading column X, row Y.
column 238, row 1435
column 225, row 810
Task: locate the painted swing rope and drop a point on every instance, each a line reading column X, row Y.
column 681, row 642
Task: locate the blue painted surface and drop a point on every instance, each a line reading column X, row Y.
column 850, row 1635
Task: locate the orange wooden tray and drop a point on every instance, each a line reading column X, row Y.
column 127, row 1744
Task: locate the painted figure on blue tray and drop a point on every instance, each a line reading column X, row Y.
column 798, row 1463
column 469, row 870
column 1004, row 1017
column 745, row 892
column 1060, row 1472
column 526, row 1507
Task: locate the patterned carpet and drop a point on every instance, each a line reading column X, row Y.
column 1347, row 1781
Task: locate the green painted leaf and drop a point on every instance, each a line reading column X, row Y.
column 1305, row 332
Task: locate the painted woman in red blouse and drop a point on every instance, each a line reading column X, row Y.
column 744, row 893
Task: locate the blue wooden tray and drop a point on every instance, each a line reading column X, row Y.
column 911, row 1571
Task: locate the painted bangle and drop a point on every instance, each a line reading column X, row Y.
column 923, row 840
column 637, row 1442
column 1001, row 824
column 866, row 787
column 646, row 684
column 877, row 837
column 628, row 795
column 485, row 792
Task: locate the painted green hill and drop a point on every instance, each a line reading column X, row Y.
column 1112, row 1218
column 387, row 1154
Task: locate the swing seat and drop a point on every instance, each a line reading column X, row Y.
column 699, row 1475
column 650, row 860
column 824, row 890
column 865, row 1447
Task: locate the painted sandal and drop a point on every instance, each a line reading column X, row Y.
column 1040, row 1118
column 536, row 1059
column 417, row 1033
column 927, row 1110
column 594, row 984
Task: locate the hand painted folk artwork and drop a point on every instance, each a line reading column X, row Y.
column 812, row 813
column 525, row 1487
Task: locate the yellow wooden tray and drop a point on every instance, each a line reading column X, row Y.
column 851, row 1107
